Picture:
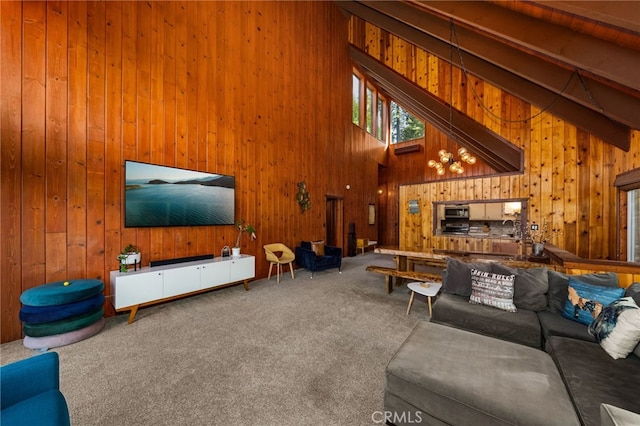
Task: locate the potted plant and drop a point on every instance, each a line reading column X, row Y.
column 539, row 235
column 130, row 255
column 243, row 227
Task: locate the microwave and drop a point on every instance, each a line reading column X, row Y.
column 457, row 211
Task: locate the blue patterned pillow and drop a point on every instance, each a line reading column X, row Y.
column 585, row 301
column 617, row 328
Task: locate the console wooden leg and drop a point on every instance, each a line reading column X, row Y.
column 389, row 283
column 245, row 283
column 132, row 314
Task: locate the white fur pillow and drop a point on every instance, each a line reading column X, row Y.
column 617, row 328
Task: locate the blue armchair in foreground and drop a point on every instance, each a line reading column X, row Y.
column 30, row 392
column 326, row 257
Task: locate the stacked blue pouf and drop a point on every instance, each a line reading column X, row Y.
column 61, row 313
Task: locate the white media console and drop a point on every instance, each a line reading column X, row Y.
column 151, row 285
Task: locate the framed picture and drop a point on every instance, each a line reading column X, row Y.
column 372, row 214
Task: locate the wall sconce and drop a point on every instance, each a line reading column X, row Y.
column 348, row 186
column 380, row 191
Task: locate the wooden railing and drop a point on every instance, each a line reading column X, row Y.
column 564, row 261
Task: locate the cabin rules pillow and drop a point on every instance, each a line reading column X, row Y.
column 491, row 289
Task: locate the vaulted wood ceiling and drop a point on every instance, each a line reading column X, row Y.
column 578, row 59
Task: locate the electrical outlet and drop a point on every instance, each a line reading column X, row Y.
column 534, row 227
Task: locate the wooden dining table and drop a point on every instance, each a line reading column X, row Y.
column 403, row 257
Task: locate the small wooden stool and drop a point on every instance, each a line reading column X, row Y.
column 428, row 289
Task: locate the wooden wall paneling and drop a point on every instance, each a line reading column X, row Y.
column 96, row 140
column 568, row 170
column 129, row 145
column 180, row 235
column 556, row 160
column 56, row 141
column 596, row 200
column 143, row 104
column 77, row 140
column 156, row 108
column 33, row 139
column 584, row 193
column 168, row 18
column 609, row 204
column 545, row 183
column 10, row 168
column 113, row 162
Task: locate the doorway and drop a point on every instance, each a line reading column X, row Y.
column 334, row 221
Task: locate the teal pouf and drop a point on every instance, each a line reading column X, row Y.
column 57, row 293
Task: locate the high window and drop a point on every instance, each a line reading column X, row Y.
column 380, row 119
column 357, row 85
column 404, row 125
column 369, row 110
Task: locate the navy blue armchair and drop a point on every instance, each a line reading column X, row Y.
column 30, row 392
column 307, row 258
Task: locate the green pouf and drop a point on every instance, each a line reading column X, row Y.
column 62, row 326
column 61, row 292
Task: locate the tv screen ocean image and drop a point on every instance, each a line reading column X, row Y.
column 167, row 196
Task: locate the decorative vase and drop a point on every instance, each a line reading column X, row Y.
column 538, row 248
column 235, row 251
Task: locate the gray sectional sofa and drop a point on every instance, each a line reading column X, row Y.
column 534, row 354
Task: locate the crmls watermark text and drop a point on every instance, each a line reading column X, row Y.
column 404, row 417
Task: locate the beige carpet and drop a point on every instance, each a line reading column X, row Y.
column 302, row 352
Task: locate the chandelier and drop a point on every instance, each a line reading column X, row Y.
column 455, row 165
column 446, row 157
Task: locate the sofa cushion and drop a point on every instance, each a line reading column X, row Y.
column 558, row 286
column 495, row 290
column 458, row 377
column 614, row 416
column 585, row 302
column 633, row 291
column 45, row 409
column 530, row 287
column 593, row 377
column 456, row 278
column 520, row 327
column 553, row 324
column 617, row 328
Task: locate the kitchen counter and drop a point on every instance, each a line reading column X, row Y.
column 487, row 235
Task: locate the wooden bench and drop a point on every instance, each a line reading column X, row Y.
column 389, row 273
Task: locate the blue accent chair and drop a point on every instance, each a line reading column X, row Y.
column 30, row 392
column 306, row 258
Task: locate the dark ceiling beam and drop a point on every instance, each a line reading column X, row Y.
column 604, row 99
column 602, row 58
column 617, row 105
column 497, row 152
column 593, row 122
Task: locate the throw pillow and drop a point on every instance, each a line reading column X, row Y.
column 530, row 287
column 617, row 328
column 318, row 247
column 558, row 286
column 633, row 291
column 491, row 289
column 456, row 278
column 585, row 301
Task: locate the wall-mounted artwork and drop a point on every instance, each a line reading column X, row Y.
column 303, row 197
column 372, row 214
column 413, row 207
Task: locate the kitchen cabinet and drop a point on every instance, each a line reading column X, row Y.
column 486, row 211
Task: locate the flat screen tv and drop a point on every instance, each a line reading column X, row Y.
column 157, row 195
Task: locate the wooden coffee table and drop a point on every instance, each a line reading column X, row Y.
column 429, row 289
